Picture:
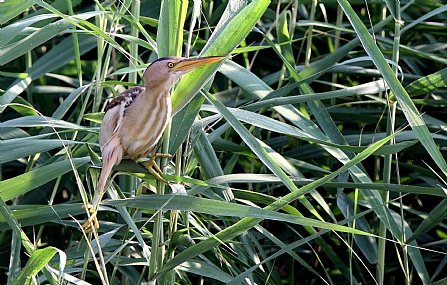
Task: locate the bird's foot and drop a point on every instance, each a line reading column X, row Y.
column 92, row 222
column 153, row 168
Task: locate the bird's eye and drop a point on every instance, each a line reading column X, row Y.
column 171, row 64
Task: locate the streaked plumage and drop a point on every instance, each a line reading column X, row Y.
column 135, row 120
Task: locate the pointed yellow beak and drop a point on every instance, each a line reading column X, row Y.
column 189, row 64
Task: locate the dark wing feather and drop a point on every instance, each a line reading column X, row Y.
column 127, row 96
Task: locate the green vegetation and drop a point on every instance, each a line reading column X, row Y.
column 313, row 155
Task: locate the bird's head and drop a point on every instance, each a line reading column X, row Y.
column 166, row 70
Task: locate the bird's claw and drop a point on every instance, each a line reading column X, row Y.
column 153, row 167
column 92, row 222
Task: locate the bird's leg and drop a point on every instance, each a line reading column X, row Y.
column 153, row 168
column 92, row 222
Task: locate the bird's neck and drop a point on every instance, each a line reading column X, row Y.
column 158, row 90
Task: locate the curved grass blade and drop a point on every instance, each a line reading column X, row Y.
column 221, row 208
column 21, row 184
column 363, row 89
column 9, row 32
column 12, row 8
column 425, row 85
column 57, row 57
column 247, row 223
column 270, row 124
column 16, row 49
column 229, row 32
column 17, row 148
column 40, row 121
column 30, row 215
column 410, row 111
column 433, row 219
column 37, row 262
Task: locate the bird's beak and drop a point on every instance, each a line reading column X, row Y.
column 192, row 63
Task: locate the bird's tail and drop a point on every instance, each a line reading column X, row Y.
column 112, row 154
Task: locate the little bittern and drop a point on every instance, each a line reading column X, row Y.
column 135, row 120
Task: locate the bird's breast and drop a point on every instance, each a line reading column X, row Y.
column 145, row 123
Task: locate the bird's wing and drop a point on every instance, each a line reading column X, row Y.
column 115, row 113
column 126, row 97
column 109, row 139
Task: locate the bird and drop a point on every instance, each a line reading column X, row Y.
column 134, row 121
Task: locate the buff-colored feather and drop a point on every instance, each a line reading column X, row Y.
column 135, row 120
